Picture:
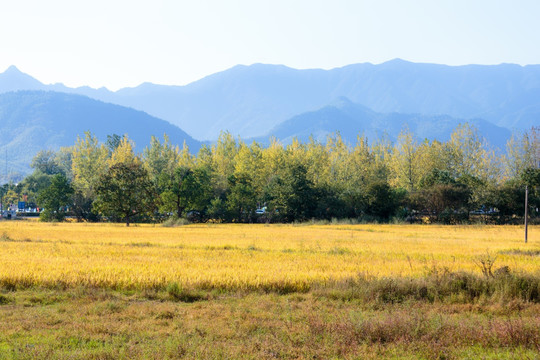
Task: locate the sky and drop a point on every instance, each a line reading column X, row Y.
column 123, row 43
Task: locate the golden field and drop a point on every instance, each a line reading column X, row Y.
column 266, row 257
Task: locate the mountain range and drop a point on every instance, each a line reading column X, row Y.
column 251, row 100
column 351, row 120
column 259, row 101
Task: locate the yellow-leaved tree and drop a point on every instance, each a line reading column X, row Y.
column 160, row 158
column 124, row 153
column 404, row 164
column 522, row 152
column 88, row 163
column 467, row 154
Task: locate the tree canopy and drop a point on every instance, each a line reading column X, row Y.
column 238, row 182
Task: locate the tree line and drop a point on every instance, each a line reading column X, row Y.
column 455, row 181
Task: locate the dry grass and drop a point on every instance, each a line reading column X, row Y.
column 102, row 324
column 279, row 258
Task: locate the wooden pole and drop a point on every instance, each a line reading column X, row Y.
column 526, row 210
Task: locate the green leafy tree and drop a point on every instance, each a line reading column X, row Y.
column 64, row 160
column 124, row 153
column 34, row 183
column 223, row 159
column 241, row 198
column 531, row 176
column 442, row 197
column 4, row 189
column 124, row 192
column 330, row 204
column 160, row 158
column 82, row 208
column 88, row 162
column 380, row 200
column 186, row 189
column 113, row 141
column 217, row 210
column 55, row 198
column 45, row 162
column 437, row 176
column 291, row 196
column 509, row 200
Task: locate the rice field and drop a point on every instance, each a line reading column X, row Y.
column 215, row 291
column 248, row 257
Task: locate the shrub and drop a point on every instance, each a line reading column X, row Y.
column 175, row 221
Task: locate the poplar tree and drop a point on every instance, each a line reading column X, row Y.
column 405, row 164
column 89, row 162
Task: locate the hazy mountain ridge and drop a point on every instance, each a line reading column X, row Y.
column 13, row 80
column 351, row 120
column 35, row 120
column 251, row 100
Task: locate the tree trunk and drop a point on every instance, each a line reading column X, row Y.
column 179, row 211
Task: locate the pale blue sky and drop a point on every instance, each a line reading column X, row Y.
column 118, row 43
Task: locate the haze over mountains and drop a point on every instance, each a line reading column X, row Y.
column 353, row 119
column 35, row 120
column 261, row 100
column 250, row 100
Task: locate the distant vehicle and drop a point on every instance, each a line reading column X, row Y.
column 260, row 211
column 194, row 216
column 484, row 211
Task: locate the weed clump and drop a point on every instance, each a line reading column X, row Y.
column 179, row 293
column 4, row 300
column 5, row 237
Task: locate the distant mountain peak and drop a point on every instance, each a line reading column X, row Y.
column 397, row 61
column 13, row 70
column 13, row 79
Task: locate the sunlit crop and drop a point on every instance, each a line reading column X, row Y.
column 266, row 257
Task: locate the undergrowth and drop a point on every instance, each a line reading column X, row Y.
column 445, row 286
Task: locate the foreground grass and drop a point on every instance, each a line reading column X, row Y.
column 88, row 323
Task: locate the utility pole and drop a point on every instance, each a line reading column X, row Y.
column 526, row 209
